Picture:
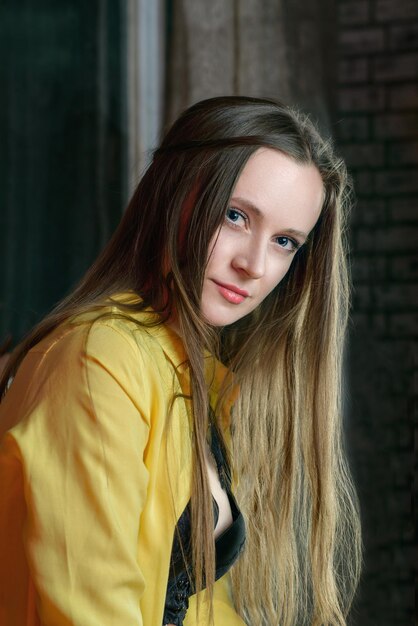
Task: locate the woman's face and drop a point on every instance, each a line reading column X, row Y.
column 274, row 206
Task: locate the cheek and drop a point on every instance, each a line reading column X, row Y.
column 277, row 274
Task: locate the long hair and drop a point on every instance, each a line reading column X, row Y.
column 302, row 557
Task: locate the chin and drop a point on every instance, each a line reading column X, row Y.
column 220, row 317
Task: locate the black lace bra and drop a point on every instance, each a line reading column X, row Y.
column 228, row 544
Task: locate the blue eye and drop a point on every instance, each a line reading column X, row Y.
column 285, row 241
column 233, row 215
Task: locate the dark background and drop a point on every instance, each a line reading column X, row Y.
column 64, row 183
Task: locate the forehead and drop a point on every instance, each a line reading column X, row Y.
column 280, row 187
column 268, row 163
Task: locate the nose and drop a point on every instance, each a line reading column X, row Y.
column 251, row 260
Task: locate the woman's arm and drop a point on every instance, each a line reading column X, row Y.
column 87, row 484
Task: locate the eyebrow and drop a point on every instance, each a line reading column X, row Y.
column 257, row 211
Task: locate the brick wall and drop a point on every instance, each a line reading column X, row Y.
column 377, row 130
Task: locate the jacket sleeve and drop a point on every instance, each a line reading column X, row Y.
column 87, row 481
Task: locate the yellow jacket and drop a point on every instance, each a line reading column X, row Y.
column 91, row 484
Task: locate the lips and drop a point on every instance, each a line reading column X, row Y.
column 231, row 293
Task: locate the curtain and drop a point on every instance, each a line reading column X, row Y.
column 274, row 48
column 63, row 128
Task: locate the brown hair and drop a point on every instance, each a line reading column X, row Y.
column 302, row 558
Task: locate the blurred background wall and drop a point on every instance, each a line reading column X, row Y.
column 88, row 87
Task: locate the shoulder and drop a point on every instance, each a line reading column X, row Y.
column 107, row 336
column 103, row 362
column 114, row 347
column 70, row 359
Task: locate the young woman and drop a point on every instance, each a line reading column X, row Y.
column 171, row 439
